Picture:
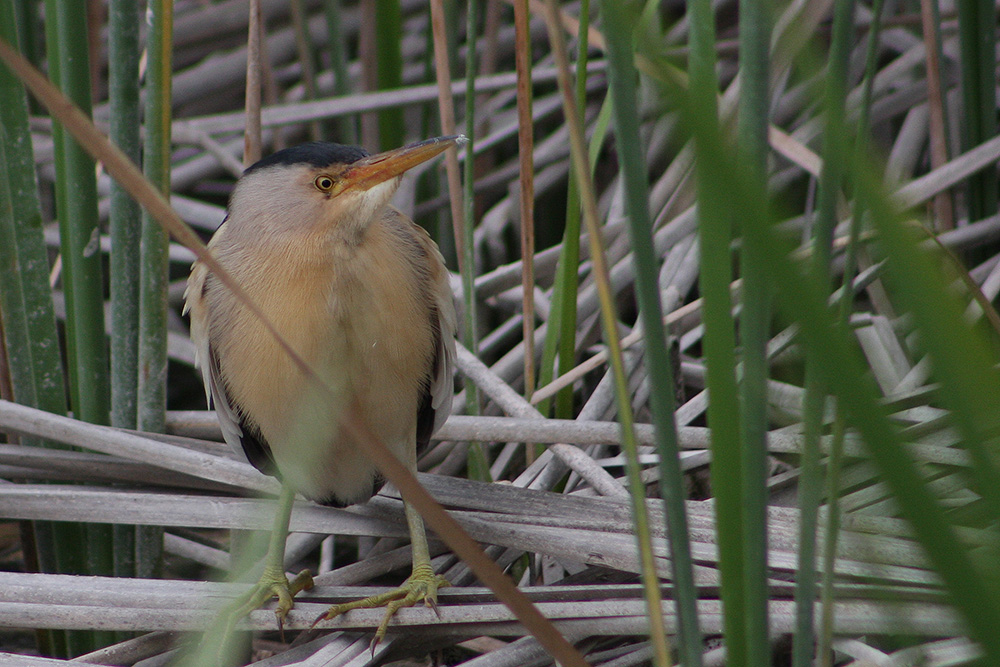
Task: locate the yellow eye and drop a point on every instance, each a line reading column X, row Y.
column 323, row 183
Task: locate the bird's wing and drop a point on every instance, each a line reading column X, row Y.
column 206, row 361
column 435, row 405
column 239, row 432
column 442, row 387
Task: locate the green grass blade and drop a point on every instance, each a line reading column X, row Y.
column 568, row 277
column 156, row 167
column 12, row 309
column 154, row 270
column 389, row 46
column 76, row 206
column 567, row 269
column 125, row 17
column 25, row 297
column 560, row 336
column 346, row 126
column 834, row 462
column 19, row 365
column 78, row 222
column 715, row 234
column 809, row 497
column 977, row 41
column 609, row 325
column 803, row 299
column 618, row 23
column 831, row 179
column 49, row 387
column 755, row 321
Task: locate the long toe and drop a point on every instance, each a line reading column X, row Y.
column 421, row 586
column 217, row 645
column 272, row 584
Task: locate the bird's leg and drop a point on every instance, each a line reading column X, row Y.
column 273, row 582
column 217, row 645
column 421, row 586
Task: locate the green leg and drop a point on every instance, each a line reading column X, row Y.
column 273, row 582
column 217, row 647
column 421, row 586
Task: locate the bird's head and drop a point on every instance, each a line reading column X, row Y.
column 324, row 186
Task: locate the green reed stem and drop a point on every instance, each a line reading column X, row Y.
column 624, row 95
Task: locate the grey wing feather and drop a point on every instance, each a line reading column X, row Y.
column 206, row 362
column 442, row 387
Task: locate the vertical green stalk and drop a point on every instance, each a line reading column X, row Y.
column 468, row 181
column 841, row 370
column 388, row 44
column 755, row 320
column 619, row 22
column 824, row 644
column 809, row 494
column 26, row 312
column 977, row 40
column 562, row 331
column 156, row 167
column 715, row 231
column 964, row 363
column 83, row 280
column 561, row 337
column 609, row 325
column 83, row 283
column 811, row 480
column 832, row 525
column 15, row 336
column 46, row 387
column 124, row 19
column 152, row 380
column 307, row 59
column 347, row 130
column 26, row 19
column 13, row 314
column 479, row 467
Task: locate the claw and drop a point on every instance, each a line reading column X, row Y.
column 432, row 603
column 321, row 617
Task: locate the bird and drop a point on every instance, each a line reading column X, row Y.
column 361, row 295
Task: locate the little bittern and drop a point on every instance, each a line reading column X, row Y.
column 361, row 295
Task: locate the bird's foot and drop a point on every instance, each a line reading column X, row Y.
column 273, row 584
column 218, row 645
column 421, row 586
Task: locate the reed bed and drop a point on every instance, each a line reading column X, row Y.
column 727, row 385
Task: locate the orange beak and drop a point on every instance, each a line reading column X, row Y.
column 374, row 169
